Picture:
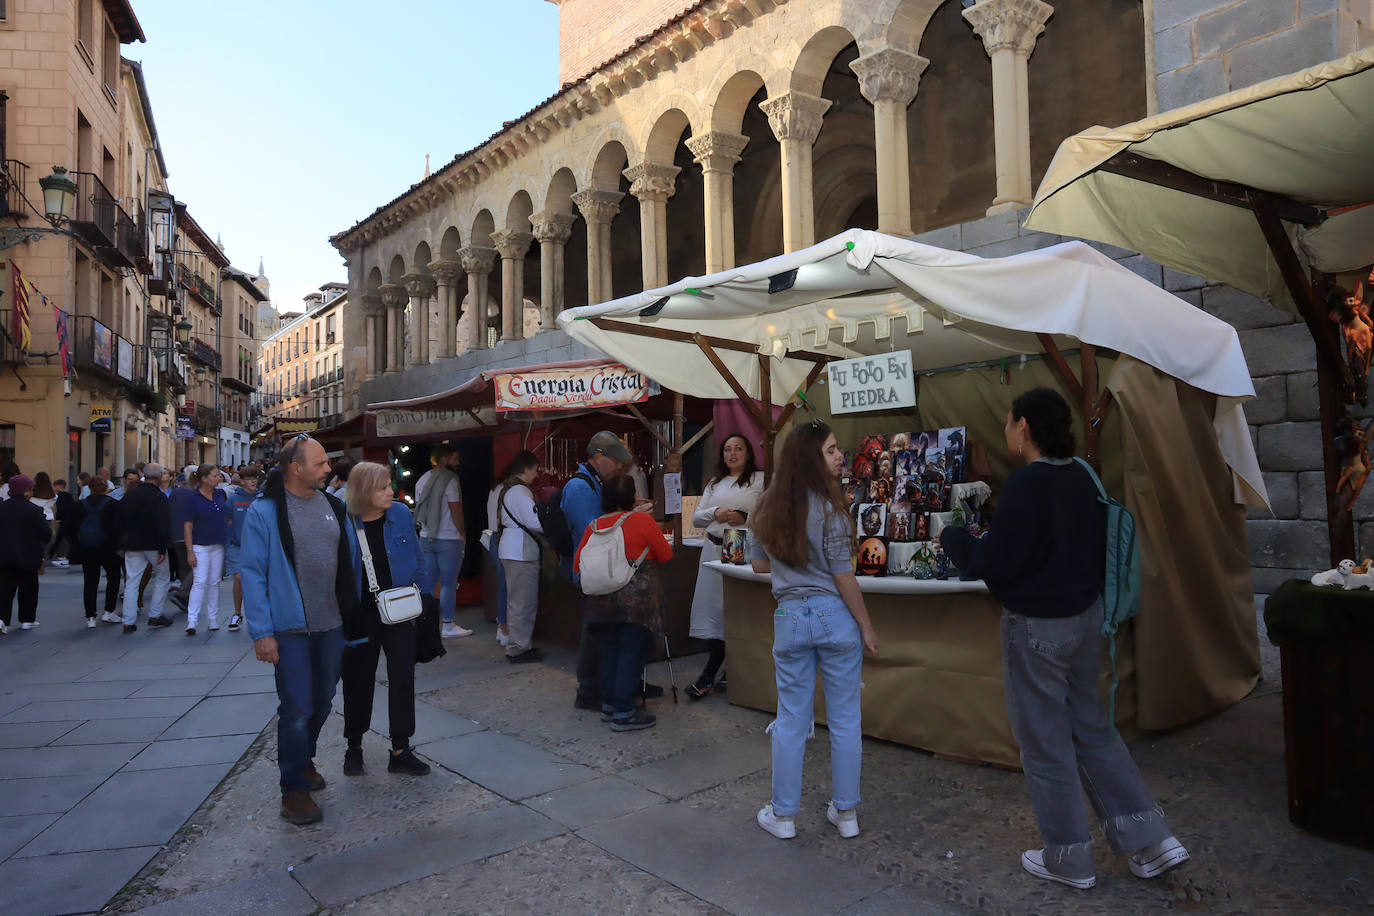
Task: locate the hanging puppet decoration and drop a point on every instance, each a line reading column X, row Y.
column 1355, row 463
column 1351, row 312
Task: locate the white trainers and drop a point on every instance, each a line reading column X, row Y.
column 784, row 828
column 90, row 623
column 1155, row 860
column 59, row 561
column 1033, row 861
column 110, row 617
column 4, row 628
column 29, row 626
column 502, row 638
column 453, row 631
column 847, row 822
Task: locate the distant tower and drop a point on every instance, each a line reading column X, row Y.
column 261, row 279
column 426, row 165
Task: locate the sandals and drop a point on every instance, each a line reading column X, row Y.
column 696, row 691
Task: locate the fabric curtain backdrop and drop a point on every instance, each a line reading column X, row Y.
column 731, row 416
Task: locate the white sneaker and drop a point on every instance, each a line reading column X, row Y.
column 28, row 626
column 90, row 623
column 1155, row 860
column 60, row 561
column 109, row 617
column 3, row 629
column 784, row 828
column 503, row 638
column 1033, row 861
column 847, row 822
column 453, row 631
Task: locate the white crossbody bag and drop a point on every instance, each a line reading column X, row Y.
column 394, row 605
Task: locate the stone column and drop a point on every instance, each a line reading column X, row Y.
column 889, row 78
column 796, row 121
column 1009, row 29
column 373, row 330
column 553, row 231
column 598, row 208
column 478, row 262
column 420, row 288
column 717, row 152
column 513, row 244
column 447, row 273
column 394, row 299
column 652, row 184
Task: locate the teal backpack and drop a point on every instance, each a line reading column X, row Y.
column 1121, row 588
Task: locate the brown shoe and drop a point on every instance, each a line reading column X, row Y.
column 313, row 777
column 299, row 808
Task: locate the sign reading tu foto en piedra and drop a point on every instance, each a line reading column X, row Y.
column 571, row 389
column 881, row 382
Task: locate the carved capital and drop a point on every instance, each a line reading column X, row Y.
column 717, row 151
column 513, row 244
column 477, row 259
column 598, row 206
column 890, row 74
column 447, row 272
column 795, row 115
column 552, row 227
column 418, row 286
column 652, row 181
column 372, row 304
column 393, row 295
column 1008, row 24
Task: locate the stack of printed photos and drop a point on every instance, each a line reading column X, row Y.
column 898, row 490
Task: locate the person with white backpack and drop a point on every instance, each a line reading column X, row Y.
column 624, row 599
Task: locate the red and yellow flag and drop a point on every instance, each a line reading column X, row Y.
column 19, row 328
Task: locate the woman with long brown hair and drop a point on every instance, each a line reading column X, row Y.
column 804, row 536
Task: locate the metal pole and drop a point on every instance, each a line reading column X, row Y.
column 219, row 325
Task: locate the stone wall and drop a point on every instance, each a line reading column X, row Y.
column 591, row 32
column 1205, row 48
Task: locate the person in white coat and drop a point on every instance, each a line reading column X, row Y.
column 519, row 552
column 730, row 495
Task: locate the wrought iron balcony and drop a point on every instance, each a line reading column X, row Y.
column 9, row 352
column 102, row 222
column 207, row 420
column 16, row 174
column 96, row 348
column 202, row 352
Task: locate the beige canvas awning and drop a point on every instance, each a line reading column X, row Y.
column 1179, row 187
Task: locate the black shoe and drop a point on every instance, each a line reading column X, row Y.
column 234, row 623
column 529, row 655
column 406, row 762
column 159, row 622
column 583, row 702
column 353, row 762
column 697, row 691
column 651, row 691
column 132, row 628
column 190, row 631
column 640, row 719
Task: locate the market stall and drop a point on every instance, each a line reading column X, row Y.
column 1167, row 428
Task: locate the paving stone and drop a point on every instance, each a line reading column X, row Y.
column 733, row 863
column 277, row 893
column 130, row 809
column 178, row 687
column 123, row 672
column 84, row 690
column 236, row 715
column 594, row 801
column 703, row 767
column 191, row 752
column 431, row 722
column 901, row 901
column 16, row 831
column 116, row 731
column 506, row 765
column 155, row 655
column 233, row 686
column 79, row 883
column 55, row 672
column 44, row 794
column 33, row 734
column 80, row 710
column 88, row 760
column 396, row 860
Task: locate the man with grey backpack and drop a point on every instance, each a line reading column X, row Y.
column 616, row 561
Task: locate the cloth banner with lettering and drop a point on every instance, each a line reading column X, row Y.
column 64, row 350
column 571, row 389
column 19, row 327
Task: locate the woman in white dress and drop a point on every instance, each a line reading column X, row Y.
column 731, row 494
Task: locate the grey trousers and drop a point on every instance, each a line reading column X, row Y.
column 522, row 602
column 1050, row 669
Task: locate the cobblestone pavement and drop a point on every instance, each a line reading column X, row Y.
column 534, row 807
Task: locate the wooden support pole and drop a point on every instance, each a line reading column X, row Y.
column 679, row 424
column 791, row 407
column 701, row 434
column 644, row 421
column 769, row 430
column 725, row 373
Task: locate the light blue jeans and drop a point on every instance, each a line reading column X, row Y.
column 810, row 633
column 443, row 559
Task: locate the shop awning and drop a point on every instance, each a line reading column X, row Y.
column 1182, row 187
column 864, row 292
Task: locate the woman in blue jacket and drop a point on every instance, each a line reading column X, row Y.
column 397, row 561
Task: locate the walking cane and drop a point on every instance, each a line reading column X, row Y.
column 668, row 655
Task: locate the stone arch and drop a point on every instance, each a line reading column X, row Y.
column 614, row 148
column 374, row 279
column 420, row 263
column 396, row 270
column 518, row 211
column 558, row 195
column 450, row 243
column 483, row 225
column 732, row 99
column 906, row 22
column 664, row 137
column 813, row 63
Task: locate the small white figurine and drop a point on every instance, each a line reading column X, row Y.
column 1335, row 576
column 1361, row 577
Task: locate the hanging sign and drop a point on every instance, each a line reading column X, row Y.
column 101, row 417
column 402, row 424
column 880, row 382
column 571, row 389
column 672, row 494
column 185, row 427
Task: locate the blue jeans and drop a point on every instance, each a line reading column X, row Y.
column 810, row 633
column 623, row 647
column 494, row 560
column 1050, row 668
column 443, row 559
column 307, row 674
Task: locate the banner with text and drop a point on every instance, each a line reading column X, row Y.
column 401, row 424
column 880, row 382
column 571, row 389
column 102, row 415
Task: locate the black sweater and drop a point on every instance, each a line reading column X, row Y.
column 1045, row 552
column 24, row 534
column 145, row 516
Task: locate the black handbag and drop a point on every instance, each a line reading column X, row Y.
column 429, row 645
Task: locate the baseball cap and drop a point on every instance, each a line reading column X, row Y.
column 609, row 444
column 20, row 484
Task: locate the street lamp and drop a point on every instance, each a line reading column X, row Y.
column 59, row 193
column 183, row 331
column 200, row 374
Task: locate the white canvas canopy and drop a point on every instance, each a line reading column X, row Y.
column 864, row 292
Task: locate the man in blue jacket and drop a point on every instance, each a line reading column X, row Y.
column 298, row 534
column 241, row 496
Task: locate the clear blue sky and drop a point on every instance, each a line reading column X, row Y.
column 285, row 122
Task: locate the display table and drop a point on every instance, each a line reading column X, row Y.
column 936, row 683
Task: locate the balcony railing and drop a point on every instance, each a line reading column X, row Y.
column 202, row 352
column 145, row 374
column 207, row 419
column 131, row 247
column 16, row 176
column 9, row 353
column 96, row 348
column 199, row 287
column 102, row 222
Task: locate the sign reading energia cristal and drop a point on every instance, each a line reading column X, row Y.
column 571, row 389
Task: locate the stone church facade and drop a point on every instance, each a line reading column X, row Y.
column 688, row 138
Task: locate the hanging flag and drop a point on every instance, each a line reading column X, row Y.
column 63, row 349
column 20, row 327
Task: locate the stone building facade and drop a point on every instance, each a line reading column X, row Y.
column 302, row 362
column 734, row 130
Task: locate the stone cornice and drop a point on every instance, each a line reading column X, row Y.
column 673, row 44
